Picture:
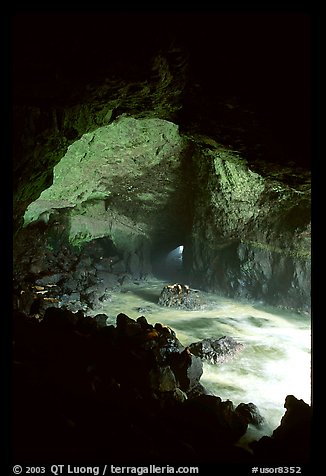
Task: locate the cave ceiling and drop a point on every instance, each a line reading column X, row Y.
column 221, row 79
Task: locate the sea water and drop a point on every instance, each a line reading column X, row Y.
column 275, row 360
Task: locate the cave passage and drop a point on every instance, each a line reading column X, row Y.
column 151, row 190
column 169, row 266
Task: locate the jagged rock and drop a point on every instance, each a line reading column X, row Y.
column 216, row 350
column 145, row 309
column 213, row 424
column 250, row 413
column 50, row 279
column 179, row 296
column 163, row 379
column 168, row 341
column 60, row 319
column 179, row 395
column 127, row 327
column 291, row 440
column 187, row 368
column 101, row 319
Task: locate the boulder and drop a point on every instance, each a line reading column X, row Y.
column 291, row 440
column 216, row 350
column 179, row 296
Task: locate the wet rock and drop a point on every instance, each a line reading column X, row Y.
column 163, row 379
column 50, row 279
column 134, row 265
column 168, row 341
column 127, row 327
column 101, row 320
column 188, row 369
column 40, row 304
column 119, row 267
column 72, row 302
column 250, row 414
column 216, row 350
column 211, row 426
column 144, row 310
column 60, row 319
column 291, row 440
column 103, row 264
column 179, row 296
column 179, row 395
column 69, row 285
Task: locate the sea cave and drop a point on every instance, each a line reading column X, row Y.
column 161, row 240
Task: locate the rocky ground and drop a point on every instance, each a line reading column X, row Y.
column 84, row 391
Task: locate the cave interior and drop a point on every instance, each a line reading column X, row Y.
column 167, row 146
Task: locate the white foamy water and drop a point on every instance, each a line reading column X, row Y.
column 276, row 359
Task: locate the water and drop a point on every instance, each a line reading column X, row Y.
column 275, row 362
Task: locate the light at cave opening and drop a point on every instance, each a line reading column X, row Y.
column 169, row 266
column 175, row 255
column 174, row 263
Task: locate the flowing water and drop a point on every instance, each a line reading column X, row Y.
column 275, row 361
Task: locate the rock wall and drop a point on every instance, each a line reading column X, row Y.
column 251, row 233
column 147, row 188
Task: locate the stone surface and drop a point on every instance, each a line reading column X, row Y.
column 180, row 296
column 256, row 232
column 216, row 350
column 292, row 439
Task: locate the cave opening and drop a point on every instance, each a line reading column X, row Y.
column 169, row 265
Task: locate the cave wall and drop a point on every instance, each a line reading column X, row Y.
column 49, row 115
column 251, row 234
column 149, row 189
column 129, row 181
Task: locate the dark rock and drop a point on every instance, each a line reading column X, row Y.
column 50, row 279
column 134, row 265
column 168, row 341
column 216, row 350
column 143, row 310
column 187, row 368
column 60, row 319
column 40, row 304
column 23, row 299
column 291, row 441
column 250, row 414
column 101, row 320
column 213, row 423
column 127, row 327
column 119, row 267
column 163, row 379
column 144, row 324
column 179, row 296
